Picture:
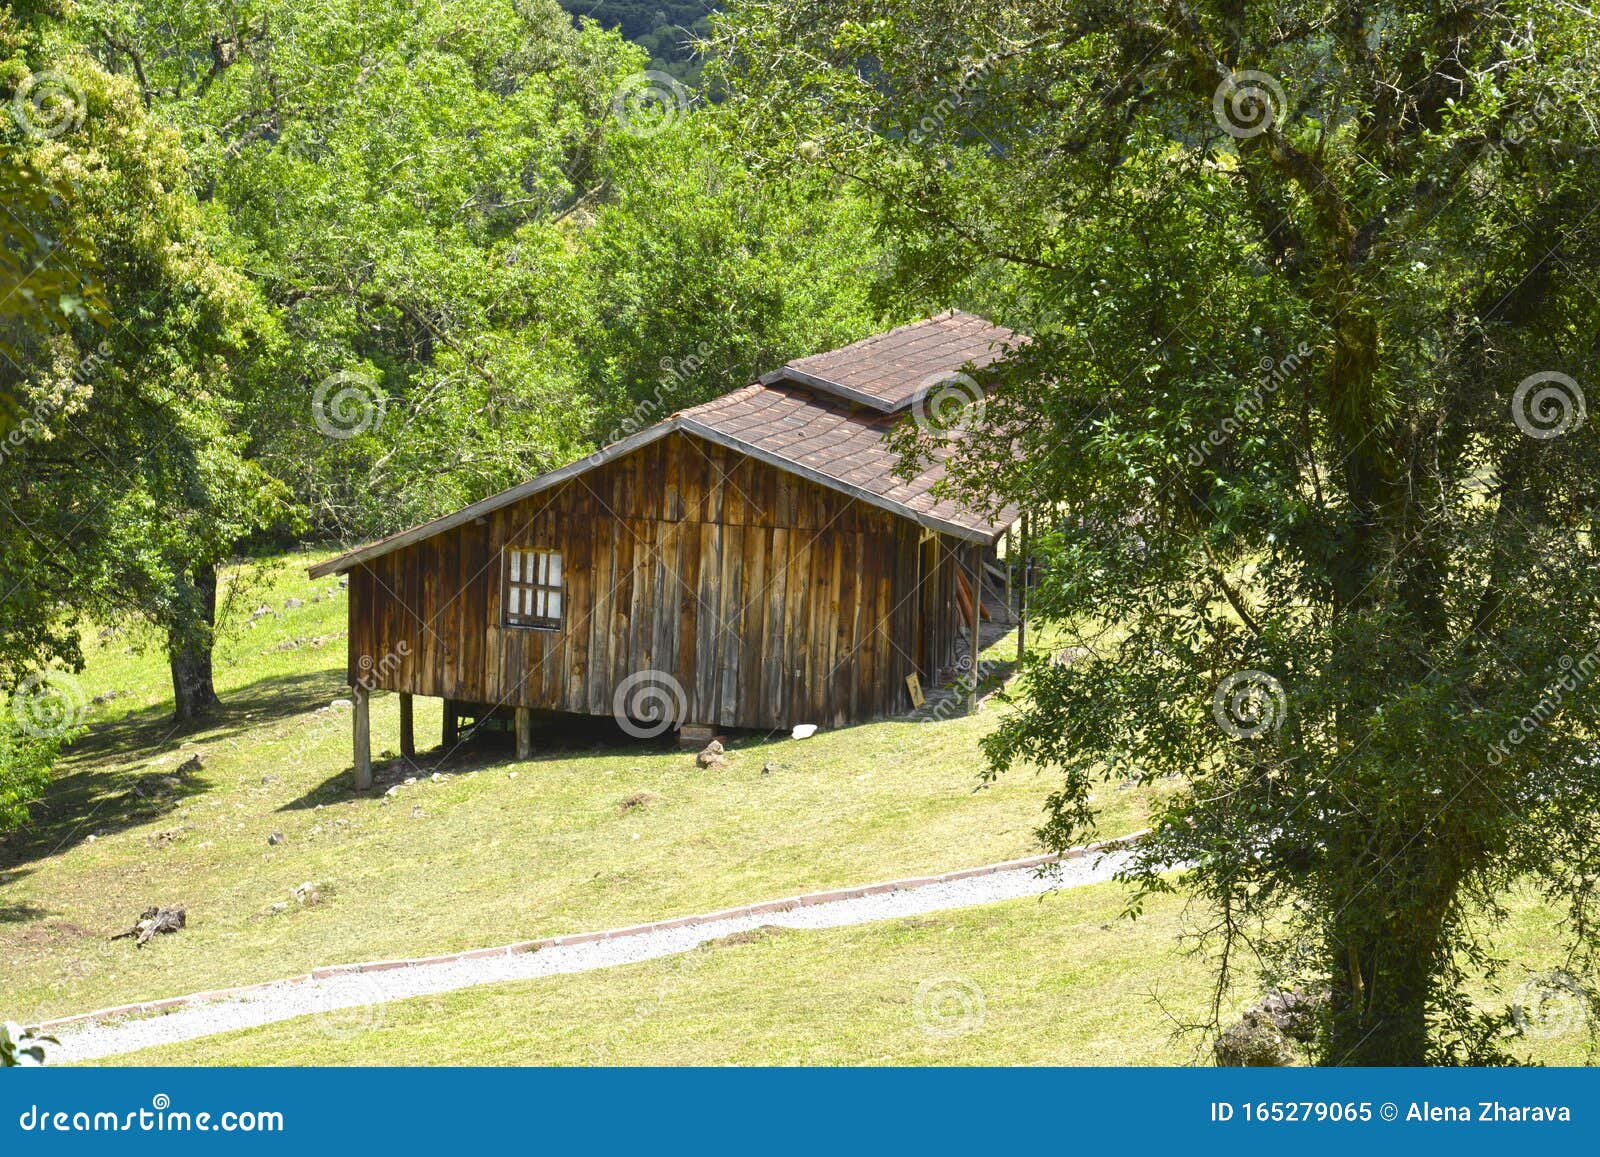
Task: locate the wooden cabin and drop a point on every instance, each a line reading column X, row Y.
column 752, row 562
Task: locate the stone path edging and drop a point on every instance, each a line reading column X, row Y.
column 745, row 911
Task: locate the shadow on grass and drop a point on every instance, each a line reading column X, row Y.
column 101, row 786
column 24, row 913
column 557, row 737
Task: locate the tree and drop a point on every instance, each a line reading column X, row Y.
column 704, row 275
column 27, row 756
column 405, row 177
column 1311, row 290
column 493, row 239
column 130, row 483
column 42, row 296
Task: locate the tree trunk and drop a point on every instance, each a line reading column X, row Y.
column 1382, row 1018
column 1386, row 958
column 189, row 643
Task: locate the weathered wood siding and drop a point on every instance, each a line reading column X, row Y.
column 771, row 600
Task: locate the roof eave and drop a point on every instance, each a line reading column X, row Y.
column 494, row 502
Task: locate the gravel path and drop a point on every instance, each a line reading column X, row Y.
column 349, row 1003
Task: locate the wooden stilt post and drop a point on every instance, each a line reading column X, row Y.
column 1011, row 560
column 408, row 740
column 1022, row 590
column 361, row 721
column 524, row 733
column 450, row 722
column 973, row 646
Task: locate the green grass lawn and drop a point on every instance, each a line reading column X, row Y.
column 1062, row 979
column 496, row 851
column 589, row 834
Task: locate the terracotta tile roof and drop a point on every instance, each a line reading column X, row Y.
column 835, row 443
column 891, row 370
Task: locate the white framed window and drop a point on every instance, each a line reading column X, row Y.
column 532, row 585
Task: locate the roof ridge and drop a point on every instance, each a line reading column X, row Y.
column 872, row 339
column 889, row 371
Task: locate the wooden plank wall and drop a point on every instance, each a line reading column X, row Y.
column 771, row 600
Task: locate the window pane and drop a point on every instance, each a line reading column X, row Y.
column 533, row 586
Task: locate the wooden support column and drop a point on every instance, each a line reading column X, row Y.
column 973, row 646
column 408, row 741
column 450, row 724
column 524, row 733
column 1011, row 562
column 361, row 720
column 1022, row 590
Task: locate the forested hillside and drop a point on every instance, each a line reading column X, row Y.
column 666, row 30
column 340, row 267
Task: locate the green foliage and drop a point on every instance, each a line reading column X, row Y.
column 704, row 276
column 22, row 1048
column 481, row 260
column 44, row 295
column 398, row 174
column 128, row 479
column 46, row 275
column 1311, row 291
column 26, row 761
